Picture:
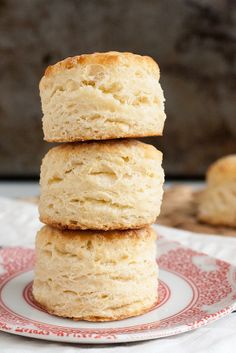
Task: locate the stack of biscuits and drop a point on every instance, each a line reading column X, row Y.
column 100, row 189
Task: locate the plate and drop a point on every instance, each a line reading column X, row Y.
column 194, row 290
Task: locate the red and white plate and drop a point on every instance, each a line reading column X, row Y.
column 194, row 290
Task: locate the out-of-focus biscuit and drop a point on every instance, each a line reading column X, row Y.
column 217, row 204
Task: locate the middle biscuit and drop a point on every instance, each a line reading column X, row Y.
column 101, row 185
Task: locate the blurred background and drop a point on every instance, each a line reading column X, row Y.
column 194, row 42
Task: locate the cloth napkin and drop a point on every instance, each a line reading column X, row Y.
column 18, row 226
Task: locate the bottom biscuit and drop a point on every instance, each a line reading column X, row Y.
column 96, row 276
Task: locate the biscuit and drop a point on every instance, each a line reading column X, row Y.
column 102, row 96
column 101, row 185
column 96, row 276
column 217, row 203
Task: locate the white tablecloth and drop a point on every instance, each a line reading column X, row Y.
column 18, row 225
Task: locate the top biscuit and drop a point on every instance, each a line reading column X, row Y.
column 102, row 96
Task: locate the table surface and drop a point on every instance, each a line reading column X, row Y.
column 20, row 189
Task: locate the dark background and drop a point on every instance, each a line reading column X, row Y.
column 194, row 42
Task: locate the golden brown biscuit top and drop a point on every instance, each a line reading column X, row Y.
column 108, row 146
column 67, row 236
column 111, row 58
